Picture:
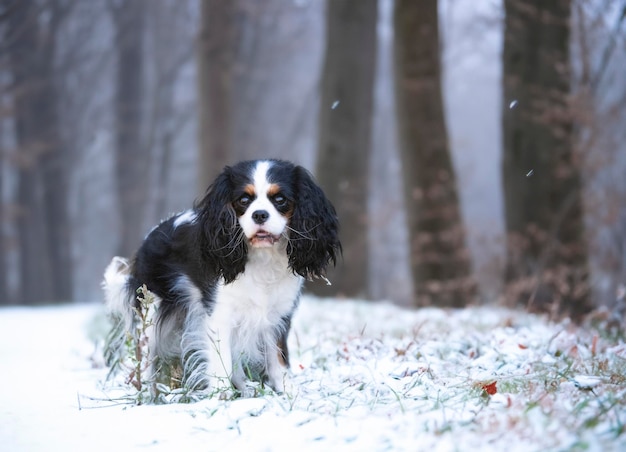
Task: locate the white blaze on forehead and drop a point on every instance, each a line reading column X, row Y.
column 259, row 178
column 263, row 190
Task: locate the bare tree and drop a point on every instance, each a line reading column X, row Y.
column 344, row 141
column 439, row 257
column 43, row 219
column 547, row 250
column 216, row 57
column 599, row 96
column 132, row 156
column 170, row 51
column 5, row 297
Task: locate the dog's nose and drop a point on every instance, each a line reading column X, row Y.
column 260, row 216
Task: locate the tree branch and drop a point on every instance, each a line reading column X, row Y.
column 608, row 50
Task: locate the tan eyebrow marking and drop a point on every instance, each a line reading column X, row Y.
column 249, row 189
column 273, row 189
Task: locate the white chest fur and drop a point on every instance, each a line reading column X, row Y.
column 250, row 308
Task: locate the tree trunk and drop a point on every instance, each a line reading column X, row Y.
column 215, row 78
column 132, row 156
column 4, row 287
column 345, row 134
column 440, row 261
column 5, row 295
column 43, row 222
column 54, row 171
column 547, row 253
column 168, row 35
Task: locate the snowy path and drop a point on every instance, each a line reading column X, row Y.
column 365, row 377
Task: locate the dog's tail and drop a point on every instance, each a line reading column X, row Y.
column 118, row 299
column 115, row 286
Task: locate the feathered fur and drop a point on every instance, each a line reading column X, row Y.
column 227, row 274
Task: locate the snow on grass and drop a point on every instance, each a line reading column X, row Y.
column 364, row 377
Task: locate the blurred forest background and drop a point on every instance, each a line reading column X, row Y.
column 475, row 150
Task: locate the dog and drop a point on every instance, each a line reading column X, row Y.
column 227, row 275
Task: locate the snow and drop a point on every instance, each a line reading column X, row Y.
column 365, row 376
column 587, row 381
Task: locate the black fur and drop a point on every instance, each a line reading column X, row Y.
column 314, row 240
column 219, row 235
column 213, row 246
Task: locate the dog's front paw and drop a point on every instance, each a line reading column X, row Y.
column 248, row 392
column 279, row 381
column 222, row 388
column 226, row 394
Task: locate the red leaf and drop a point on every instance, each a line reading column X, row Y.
column 522, row 346
column 490, row 388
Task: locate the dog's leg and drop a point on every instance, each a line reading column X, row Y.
column 220, row 360
column 206, row 351
column 283, row 350
column 238, row 378
column 220, row 365
column 276, row 364
column 276, row 373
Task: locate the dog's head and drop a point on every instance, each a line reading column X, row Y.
column 264, row 204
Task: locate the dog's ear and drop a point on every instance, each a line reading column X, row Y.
column 221, row 237
column 314, row 236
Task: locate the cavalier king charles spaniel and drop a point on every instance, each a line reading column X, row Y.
column 227, row 274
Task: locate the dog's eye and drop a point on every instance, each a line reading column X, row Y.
column 280, row 200
column 244, row 201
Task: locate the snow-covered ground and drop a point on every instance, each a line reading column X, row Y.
column 365, row 377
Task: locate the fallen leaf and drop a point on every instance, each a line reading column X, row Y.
column 490, row 388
